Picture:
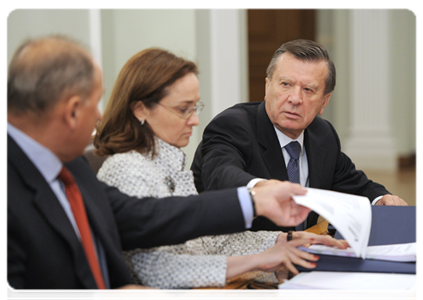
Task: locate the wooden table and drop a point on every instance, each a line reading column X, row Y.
column 258, row 284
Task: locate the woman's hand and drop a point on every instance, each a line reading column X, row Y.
column 315, row 239
column 287, row 254
column 283, row 253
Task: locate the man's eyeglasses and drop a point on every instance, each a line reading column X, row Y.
column 185, row 113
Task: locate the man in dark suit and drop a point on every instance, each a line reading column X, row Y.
column 246, row 144
column 54, row 87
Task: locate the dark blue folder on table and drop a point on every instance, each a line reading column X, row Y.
column 390, row 225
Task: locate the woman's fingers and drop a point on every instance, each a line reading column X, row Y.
column 299, row 257
column 322, row 239
column 330, row 241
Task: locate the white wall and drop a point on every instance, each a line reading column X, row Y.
column 402, row 80
column 126, row 32
column 24, row 24
column 222, row 59
column 395, row 94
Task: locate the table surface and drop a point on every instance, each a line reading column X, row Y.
column 257, row 284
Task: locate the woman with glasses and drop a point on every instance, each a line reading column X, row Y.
column 151, row 113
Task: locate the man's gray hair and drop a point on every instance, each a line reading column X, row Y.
column 44, row 71
column 306, row 50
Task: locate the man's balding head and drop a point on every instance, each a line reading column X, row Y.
column 44, row 71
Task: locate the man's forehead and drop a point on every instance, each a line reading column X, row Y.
column 288, row 58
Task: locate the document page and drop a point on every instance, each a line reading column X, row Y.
column 350, row 214
column 350, row 281
column 395, row 252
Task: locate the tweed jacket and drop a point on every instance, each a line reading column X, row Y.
column 197, row 263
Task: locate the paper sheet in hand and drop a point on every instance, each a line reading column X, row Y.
column 351, row 215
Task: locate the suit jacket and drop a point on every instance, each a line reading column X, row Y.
column 44, row 251
column 241, row 144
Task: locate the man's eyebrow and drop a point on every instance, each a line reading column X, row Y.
column 312, row 86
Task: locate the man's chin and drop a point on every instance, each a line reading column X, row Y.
column 289, row 129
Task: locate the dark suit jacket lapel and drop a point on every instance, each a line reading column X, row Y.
column 102, row 226
column 316, row 154
column 47, row 204
column 267, row 138
column 98, row 225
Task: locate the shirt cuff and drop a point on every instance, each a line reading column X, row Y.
column 246, row 206
column 253, row 182
column 376, row 200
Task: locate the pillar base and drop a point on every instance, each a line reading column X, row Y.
column 372, row 152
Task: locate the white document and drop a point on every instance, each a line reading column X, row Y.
column 351, row 215
column 395, row 252
column 350, row 281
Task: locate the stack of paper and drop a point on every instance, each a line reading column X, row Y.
column 350, row 285
column 395, row 252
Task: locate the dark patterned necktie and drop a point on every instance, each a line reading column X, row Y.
column 78, row 209
column 293, row 167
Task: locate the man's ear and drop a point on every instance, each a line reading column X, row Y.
column 266, row 86
column 326, row 99
column 72, row 110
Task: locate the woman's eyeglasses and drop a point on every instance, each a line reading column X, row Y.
column 185, row 113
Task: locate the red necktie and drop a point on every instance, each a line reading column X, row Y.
column 77, row 205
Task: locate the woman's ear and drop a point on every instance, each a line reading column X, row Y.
column 139, row 111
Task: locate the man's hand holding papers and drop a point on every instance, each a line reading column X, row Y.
column 350, row 214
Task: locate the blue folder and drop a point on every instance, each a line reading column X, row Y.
column 390, row 225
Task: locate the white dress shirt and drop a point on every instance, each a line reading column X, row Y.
column 304, row 180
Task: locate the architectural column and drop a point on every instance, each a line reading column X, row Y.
column 94, row 21
column 222, row 57
column 370, row 143
column 226, row 49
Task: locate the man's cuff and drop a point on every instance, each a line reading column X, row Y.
column 376, row 200
column 246, row 206
column 254, row 181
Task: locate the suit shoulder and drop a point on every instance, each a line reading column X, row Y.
column 80, row 168
column 320, row 124
column 245, row 110
column 323, row 130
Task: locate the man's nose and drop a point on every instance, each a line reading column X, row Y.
column 295, row 96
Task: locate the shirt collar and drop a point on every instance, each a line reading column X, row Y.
column 44, row 160
column 285, row 140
